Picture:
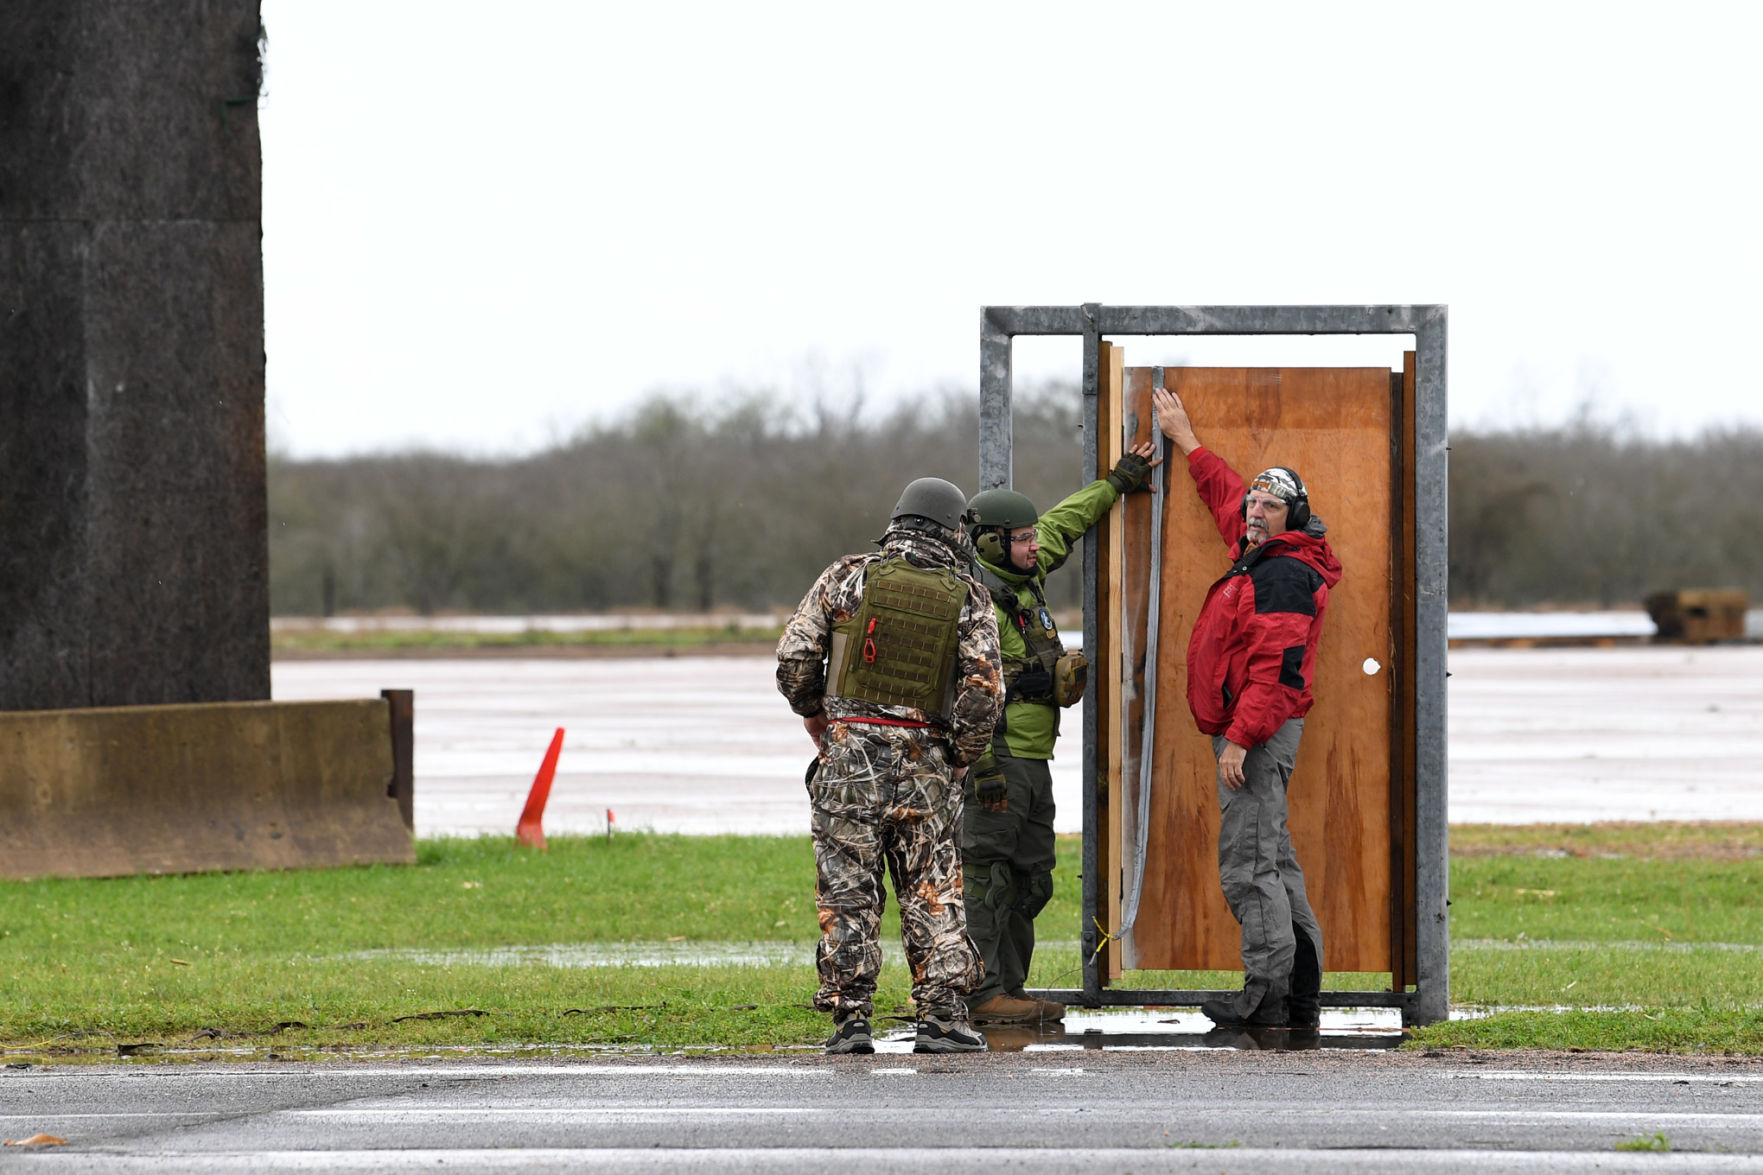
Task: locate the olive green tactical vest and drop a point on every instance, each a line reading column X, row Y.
column 1034, row 624
column 900, row 647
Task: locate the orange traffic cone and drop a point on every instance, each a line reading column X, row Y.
column 530, row 830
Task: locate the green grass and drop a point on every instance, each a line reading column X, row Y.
column 1634, row 942
column 392, row 641
column 220, row 960
column 1645, row 936
column 1657, row 1142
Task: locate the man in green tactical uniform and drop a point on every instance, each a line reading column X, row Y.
column 1007, row 826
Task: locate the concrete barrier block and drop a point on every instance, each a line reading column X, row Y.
column 192, row 788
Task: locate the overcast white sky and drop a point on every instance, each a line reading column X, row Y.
column 486, row 225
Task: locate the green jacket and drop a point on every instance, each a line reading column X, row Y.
column 1030, row 728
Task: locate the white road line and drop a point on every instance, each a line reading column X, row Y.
column 59, row 1116
column 1515, row 1115
column 1650, row 1117
column 1670, row 1078
column 561, row 1069
column 572, row 1111
column 893, row 1072
column 821, row 1159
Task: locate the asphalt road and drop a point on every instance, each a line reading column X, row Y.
column 1146, row 1112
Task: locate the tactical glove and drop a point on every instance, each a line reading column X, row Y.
column 1131, row 472
column 988, row 784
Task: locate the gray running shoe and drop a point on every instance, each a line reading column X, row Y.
column 851, row 1035
column 947, row 1036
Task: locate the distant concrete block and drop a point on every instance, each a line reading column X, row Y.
column 188, row 789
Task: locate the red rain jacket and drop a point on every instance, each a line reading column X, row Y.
column 1252, row 657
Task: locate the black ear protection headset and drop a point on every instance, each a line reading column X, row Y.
column 1298, row 512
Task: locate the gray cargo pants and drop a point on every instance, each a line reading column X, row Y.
column 1262, row 881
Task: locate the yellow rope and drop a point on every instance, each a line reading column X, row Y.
column 1106, row 937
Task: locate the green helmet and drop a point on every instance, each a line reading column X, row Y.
column 1005, row 508
column 935, row 499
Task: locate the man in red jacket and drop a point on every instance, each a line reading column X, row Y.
column 1251, row 661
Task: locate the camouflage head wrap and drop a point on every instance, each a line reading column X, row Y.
column 1279, row 481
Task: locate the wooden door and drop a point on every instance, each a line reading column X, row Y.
column 1339, row 428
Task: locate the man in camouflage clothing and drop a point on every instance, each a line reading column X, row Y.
column 892, row 661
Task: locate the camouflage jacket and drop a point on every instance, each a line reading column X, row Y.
column 835, row 598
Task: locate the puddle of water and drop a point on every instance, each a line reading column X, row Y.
column 605, row 954
column 1566, row 944
column 1166, row 1029
column 1112, row 1028
column 1483, row 1011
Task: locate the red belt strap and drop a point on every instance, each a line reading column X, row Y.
column 884, row 722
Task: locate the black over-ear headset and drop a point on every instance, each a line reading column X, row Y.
column 1298, row 512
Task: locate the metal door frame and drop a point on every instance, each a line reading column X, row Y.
column 1429, row 1002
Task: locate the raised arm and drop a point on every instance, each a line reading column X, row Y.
column 1172, row 418
column 1219, row 486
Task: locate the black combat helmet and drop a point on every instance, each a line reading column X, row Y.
column 933, row 498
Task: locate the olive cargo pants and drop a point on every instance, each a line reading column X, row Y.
column 1007, row 873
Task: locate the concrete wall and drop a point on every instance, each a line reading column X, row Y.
column 183, row 789
column 133, row 518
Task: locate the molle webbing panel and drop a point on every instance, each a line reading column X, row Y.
column 900, row 647
column 1044, row 646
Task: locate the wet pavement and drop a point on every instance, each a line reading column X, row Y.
column 706, row 745
column 1326, row 1110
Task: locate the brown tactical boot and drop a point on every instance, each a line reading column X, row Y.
column 1005, row 1009
column 1051, row 1013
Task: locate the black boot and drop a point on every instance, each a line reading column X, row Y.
column 1257, row 1005
column 1304, row 1005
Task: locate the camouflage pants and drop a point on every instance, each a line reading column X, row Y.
column 883, row 799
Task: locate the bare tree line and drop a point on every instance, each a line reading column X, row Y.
column 694, row 505
column 683, row 504
column 1593, row 513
